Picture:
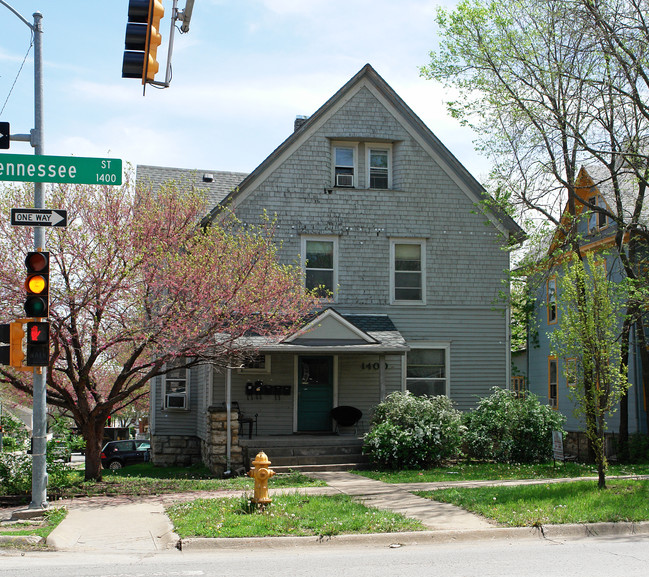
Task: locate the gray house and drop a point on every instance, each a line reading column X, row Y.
column 377, row 211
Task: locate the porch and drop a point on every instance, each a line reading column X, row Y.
column 307, row 453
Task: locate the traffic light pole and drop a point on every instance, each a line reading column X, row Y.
column 39, row 409
column 39, row 431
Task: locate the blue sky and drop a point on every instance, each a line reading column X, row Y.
column 240, row 76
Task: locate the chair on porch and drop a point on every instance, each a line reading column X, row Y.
column 244, row 420
column 346, row 416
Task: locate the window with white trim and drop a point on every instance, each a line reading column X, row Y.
column 345, row 166
column 175, row 387
column 427, row 371
column 379, row 164
column 319, row 263
column 408, row 271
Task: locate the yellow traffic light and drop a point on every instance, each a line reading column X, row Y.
column 142, row 39
column 154, row 39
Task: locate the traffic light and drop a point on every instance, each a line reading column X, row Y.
column 38, row 344
column 37, row 284
column 142, row 39
column 11, row 353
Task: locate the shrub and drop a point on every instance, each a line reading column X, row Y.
column 511, row 429
column 413, row 432
column 16, row 474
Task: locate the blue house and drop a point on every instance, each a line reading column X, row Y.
column 546, row 373
column 375, row 209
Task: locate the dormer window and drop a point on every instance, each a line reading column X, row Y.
column 344, row 166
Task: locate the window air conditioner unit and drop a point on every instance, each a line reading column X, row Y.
column 344, row 180
column 176, row 401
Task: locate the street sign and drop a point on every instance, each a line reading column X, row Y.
column 5, row 132
column 68, row 169
column 39, row 217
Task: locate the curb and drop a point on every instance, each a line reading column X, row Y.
column 21, row 540
column 547, row 532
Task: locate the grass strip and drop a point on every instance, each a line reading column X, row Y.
column 290, row 514
column 52, row 518
column 556, row 503
column 471, row 471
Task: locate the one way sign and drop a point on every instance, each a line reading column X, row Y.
column 5, row 132
column 39, row 217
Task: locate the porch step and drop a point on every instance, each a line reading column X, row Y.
column 307, row 453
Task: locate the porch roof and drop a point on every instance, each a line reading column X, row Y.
column 333, row 332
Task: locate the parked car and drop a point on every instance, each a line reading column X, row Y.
column 118, row 454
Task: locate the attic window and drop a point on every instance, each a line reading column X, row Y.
column 207, row 177
column 597, row 220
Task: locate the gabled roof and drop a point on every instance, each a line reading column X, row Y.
column 369, row 78
column 332, row 332
column 216, row 184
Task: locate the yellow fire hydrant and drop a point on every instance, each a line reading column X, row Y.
column 261, row 473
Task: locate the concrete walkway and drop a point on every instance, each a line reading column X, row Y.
column 434, row 515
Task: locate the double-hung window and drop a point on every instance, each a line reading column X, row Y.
column 176, row 387
column 319, row 262
column 378, row 163
column 408, row 271
column 344, row 166
column 427, row 371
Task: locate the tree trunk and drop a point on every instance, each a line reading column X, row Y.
column 93, row 433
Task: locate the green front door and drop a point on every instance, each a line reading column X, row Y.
column 315, row 393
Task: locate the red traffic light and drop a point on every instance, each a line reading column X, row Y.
column 38, row 333
column 38, row 344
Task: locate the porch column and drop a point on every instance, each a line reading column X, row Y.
column 381, row 377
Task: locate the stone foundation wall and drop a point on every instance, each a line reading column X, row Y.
column 175, row 451
column 214, row 447
column 575, row 445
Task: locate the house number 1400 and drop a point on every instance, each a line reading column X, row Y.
column 372, row 366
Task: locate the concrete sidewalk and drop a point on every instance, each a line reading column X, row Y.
column 139, row 524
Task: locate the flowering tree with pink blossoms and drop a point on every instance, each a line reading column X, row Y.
column 135, row 283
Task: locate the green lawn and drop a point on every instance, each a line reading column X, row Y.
column 468, row 471
column 553, row 503
column 291, row 514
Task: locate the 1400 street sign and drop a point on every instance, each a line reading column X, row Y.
column 69, row 169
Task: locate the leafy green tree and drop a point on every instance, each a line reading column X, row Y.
column 549, row 86
column 588, row 334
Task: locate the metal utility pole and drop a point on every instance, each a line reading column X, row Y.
column 36, row 138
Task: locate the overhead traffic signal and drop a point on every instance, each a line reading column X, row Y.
column 142, row 39
column 38, row 344
column 37, row 284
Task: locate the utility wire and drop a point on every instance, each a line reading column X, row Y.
column 17, row 75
